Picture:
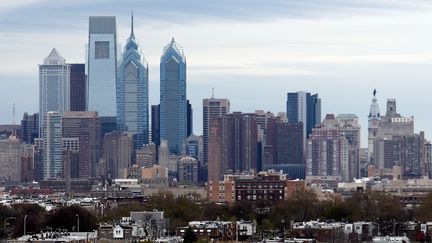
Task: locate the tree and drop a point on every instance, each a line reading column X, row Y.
column 423, row 212
column 35, row 220
column 67, row 218
column 189, row 236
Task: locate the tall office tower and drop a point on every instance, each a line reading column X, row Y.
column 327, row 151
column 54, row 87
column 71, row 157
column 78, row 86
column 305, row 108
column 102, row 65
column 29, row 128
column 10, row 160
column 373, row 123
column 427, row 158
column 212, row 108
column 84, row 126
column 233, row 144
column 283, row 149
column 173, row 107
column 52, row 145
column 132, row 93
column 189, row 115
column 155, row 125
column 117, row 153
column 350, row 127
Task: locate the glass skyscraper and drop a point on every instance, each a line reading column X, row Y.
column 173, row 110
column 132, row 93
column 54, row 87
column 102, row 65
column 306, row 108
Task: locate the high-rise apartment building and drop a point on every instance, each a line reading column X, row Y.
column 212, row 108
column 173, row 107
column 132, row 93
column 305, row 108
column 54, row 87
column 328, row 151
column 78, row 87
column 29, row 128
column 84, row 126
column 10, row 160
column 52, row 145
column 102, row 65
column 233, row 145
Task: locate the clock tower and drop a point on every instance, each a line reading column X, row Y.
column 374, row 119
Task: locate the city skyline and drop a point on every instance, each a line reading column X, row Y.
column 313, row 48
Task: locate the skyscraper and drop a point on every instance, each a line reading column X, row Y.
column 350, row 128
column 52, row 145
column 78, row 86
column 132, row 93
column 102, row 65
column 155, row 125
column 305, row 108
column 29, row 128
column 173, row 107
column 117, row 153
column 189, row 112
column 233, row 145
column 212, row 108
column 10, row 160
column 54, row 87
column 327, row 151
column 84, row 126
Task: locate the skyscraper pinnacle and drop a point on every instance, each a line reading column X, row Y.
column 132, row 26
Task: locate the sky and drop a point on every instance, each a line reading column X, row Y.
column 252, row 52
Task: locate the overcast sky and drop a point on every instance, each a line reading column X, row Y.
column 252, row 52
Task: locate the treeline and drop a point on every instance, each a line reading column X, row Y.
column 38, row 219
column 303, row 206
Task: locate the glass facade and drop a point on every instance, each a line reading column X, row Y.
column 54, row 87
column 173, row 110
column 132, row 94
column 101, row 65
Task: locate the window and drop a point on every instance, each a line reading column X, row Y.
column 101, row 49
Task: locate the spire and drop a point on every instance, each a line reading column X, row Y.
column 132, row 27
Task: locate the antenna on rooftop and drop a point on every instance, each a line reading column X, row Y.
column 212, row 93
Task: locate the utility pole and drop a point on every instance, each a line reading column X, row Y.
column 25, row 224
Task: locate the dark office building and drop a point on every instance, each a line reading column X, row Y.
column 107, row 124
column 155, row 125
column 29, row 128
column 85, row 127
column 77, row 87
column 306, row 108
column 189, row 113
